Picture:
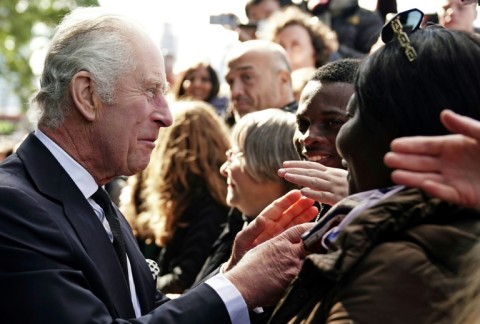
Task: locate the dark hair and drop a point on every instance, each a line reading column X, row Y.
column 411, row 95
column 178, row 91
column 343, row 70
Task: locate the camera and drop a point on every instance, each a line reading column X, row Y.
column 226, row 20
column 231, row 21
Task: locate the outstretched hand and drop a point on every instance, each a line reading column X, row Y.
column 285, row 212
column 264, row 273
column 323, row 184
column 447, row 166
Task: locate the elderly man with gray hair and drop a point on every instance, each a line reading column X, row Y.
column 68, row 255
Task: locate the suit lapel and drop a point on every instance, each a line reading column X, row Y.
column 57, row 184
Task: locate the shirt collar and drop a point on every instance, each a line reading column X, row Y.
column 79, row 175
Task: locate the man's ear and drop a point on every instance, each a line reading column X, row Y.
column 82, row 92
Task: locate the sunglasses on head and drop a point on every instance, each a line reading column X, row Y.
column 399, row 27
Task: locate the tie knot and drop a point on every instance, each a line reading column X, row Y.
column 102, row 198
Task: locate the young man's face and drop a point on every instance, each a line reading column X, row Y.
column 320, row 115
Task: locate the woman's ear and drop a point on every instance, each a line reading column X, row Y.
column 82, row 92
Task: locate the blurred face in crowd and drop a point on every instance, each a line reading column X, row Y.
column 255, row 82
column 263, row 10
column 454, row 15
column 321, row 113
column 197, row 83
column 245, row 193
column 126, row 130
column 298, row 44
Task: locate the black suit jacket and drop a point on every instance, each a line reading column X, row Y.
column 58, row 265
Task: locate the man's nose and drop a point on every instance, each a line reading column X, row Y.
column 162, row 114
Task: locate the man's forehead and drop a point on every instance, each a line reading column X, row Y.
column 251, row 60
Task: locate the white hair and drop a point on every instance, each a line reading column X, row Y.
column 88, row 39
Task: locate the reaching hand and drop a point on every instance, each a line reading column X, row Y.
column 283, row 213
column 264, row 273
column 323, row 184
column 447, row 166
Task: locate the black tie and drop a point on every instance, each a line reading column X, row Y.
column 102, row 198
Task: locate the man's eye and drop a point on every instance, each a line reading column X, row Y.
column 151, row 93
column 302, row 125
column 246, row 77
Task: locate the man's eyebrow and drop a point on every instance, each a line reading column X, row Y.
column 245, row 67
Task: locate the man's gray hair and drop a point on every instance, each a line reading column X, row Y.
column 88, row 39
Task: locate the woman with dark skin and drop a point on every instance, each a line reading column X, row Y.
column 392, row 254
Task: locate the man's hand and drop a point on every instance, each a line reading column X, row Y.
column 264, row 273
column 447, row 166
column 285, row 212
column 323, row 184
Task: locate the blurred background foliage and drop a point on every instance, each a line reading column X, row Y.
column 25, row 26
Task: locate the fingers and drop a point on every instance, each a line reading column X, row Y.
column 308, row 181
column 316, row 179
column 442, row 191
column 461, row 124
column 415, row 179
column 283, row 203
column 424, row 145
column 419, row 163
column 304, row 165
column 275, row 223
column 323, row 196
column 294, row 234
column 302, row 212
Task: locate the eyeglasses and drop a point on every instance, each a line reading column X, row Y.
column 399, row 27
column 231, row 154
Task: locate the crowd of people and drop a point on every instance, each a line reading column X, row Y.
column 349, row 192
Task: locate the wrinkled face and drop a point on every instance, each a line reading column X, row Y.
column 454, row 15
column 254, row 83
column 363, row 149
column 197, row 84
column 248, row 195
column 320, row 115
column 126, row 131
column 263, row 10
column 298, row 44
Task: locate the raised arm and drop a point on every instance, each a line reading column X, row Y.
column 447, row 166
